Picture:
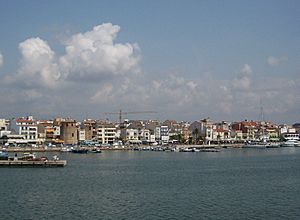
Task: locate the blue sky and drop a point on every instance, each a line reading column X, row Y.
column 188, row 59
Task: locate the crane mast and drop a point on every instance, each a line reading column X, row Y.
column 121, row 113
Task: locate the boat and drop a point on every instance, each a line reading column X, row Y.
column 186, row 150
column 255, row 144
column 199, row 150
column 3, row 155
column 79, row 151
column 96, row 151
column 290, row 143
column 66, row 149
column 209, row 150
column 27, row 156
column 273, row 145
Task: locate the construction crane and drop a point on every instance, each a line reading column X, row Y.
column 121, row 113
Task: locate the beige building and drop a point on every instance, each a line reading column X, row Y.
column 68, row 131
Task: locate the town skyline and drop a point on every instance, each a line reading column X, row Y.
column 67, row 131
column 185, row 60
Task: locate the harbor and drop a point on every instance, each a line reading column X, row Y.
column 137, row 184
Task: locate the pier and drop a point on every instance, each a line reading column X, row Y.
column 25, row 163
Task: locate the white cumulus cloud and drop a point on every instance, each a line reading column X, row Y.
column 38, row 64
column 94, row 54
column 89, row 56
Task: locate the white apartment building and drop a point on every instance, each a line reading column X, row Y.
column 28, row 128
column 106, row 133
column 162, row 134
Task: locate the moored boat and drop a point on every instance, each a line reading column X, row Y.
column 80, row 151
column 255, row 144
column 3, row 155
column 289, row 143
column 96, row 151
column 273, row 145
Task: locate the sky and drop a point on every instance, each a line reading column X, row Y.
column 185, row 60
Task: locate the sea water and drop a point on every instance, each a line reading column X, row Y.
column 231, row 184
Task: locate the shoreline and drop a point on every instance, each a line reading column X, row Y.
column 58, row 149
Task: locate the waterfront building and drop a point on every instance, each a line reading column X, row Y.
column 13, row 140
column 45, row 131
column 152, row 139
column 157, row 133
column 28, row 128
column 68, row 131
column 81, row 133
column 221, row 135
column 90, row 129
column 130, row 135
column 151, row 125
column 4, row 127
column 4, row 124
column 272, row 131
column 203, row 130
column 236, row 135
column 144, row 135
column 297, row 127
column 106, row 133
column 162, row 134
column 248, row 128
column 186, row 133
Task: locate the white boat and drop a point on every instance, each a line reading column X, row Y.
column 291, row 140
column 273, row 145
column 255, row 144
column 290, row 143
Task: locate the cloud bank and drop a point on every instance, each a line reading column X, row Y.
column 95, row 74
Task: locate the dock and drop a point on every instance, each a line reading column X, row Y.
column 26, row 163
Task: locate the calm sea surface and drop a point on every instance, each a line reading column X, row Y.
column 231, row 184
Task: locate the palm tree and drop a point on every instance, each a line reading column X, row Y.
column 195, row 135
